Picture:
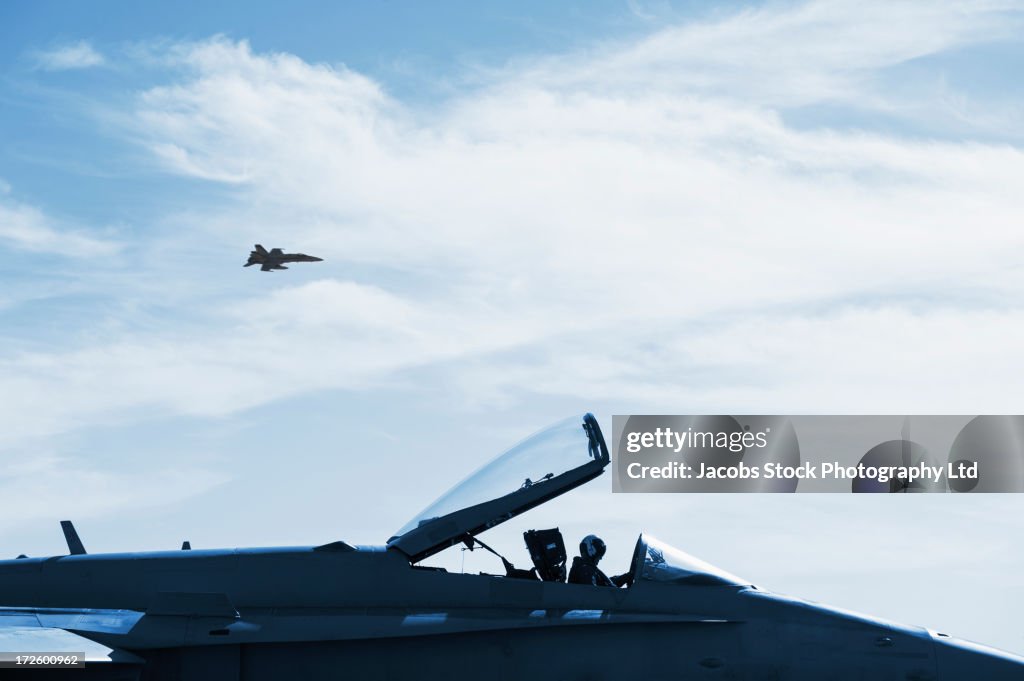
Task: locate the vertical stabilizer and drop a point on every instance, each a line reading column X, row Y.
column 71, row 536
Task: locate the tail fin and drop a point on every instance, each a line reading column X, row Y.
column 75, row 547
column 261, row 250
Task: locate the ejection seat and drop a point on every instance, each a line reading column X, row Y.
column 547, row 551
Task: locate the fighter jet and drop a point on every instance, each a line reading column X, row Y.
column 383, row 612
column 273, row 259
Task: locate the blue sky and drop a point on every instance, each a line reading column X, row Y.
column 526, row 210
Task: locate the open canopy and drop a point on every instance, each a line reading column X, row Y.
column 539, row 468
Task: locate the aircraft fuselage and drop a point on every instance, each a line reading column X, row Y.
column 367, row 613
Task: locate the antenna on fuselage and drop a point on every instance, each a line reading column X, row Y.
column 71, row 537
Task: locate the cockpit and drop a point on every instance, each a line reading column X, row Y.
column 541, row 467
column 656, row 561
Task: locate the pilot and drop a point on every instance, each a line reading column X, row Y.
column 584, row 566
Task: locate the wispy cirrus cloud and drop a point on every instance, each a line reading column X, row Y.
column 787, row 54
column 592, row 224
column 26, row 228
column 71, row 56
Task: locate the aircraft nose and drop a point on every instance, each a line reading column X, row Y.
column 960, row 660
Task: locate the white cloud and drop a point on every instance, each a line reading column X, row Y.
column 25, row 228
column 79, row 55
column 858, row 359
column 784, row 54
column 321, row 335
column 637, row 224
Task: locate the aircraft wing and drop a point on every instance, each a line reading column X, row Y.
column 51, row 630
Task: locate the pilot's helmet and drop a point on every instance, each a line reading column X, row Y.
column 592, row 547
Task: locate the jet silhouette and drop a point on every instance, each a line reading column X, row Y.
column 274, row 258
column 338, row 611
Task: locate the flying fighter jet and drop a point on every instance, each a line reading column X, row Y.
column 381, row 612
column 273, row 259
